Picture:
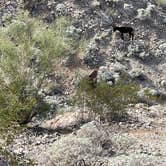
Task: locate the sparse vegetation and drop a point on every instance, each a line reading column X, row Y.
column 13, row 159
column 79, row 47
column 150, row 98
column 28, row 51
column 68, row 150
column 89, row 143
column 107, row 101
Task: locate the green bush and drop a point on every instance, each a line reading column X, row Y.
column 107, row 101
column 28, row 51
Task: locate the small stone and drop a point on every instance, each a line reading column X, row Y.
column 163, row 83
column 164, row 20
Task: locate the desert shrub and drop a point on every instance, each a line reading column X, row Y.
column 123, row 142
column 151, row 97
column 74, row 59
column 28, row 51
column 97, row 134
column 72, row 148
column 89, row 143
column 107, row 101
column 68, row 150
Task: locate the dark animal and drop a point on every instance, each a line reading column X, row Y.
column 93, row 78
column 123, row 30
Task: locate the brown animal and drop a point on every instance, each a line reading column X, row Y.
column 93, row 78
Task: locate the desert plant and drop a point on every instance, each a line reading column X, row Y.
column 107, row 101
column 28, row 51
column 68, row 150
column 97, row 134
column 88, row 144
column 151, row 98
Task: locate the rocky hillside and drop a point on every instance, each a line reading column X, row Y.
column 72, row 134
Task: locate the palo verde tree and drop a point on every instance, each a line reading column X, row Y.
column 28, row 51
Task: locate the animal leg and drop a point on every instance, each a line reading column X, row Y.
column 122, row 36
column 132, row 35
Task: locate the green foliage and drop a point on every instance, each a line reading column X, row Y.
column 108, row 101
column 83, row 43
column 19, row 104
column 28, row 51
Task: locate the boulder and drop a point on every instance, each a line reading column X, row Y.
column 146, row 14
column 92, row 56
column 61, row 9
column 67, row 121
column 138, row 74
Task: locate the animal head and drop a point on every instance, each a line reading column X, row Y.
column 114, row 28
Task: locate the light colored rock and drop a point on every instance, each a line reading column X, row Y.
column 105, row 74
column 161, row 50
column 163, row 83
column 136, row 72
column 67, row 121
column 136, row 49
column 117, row 67
column 127, row 6
column 2, row 142
column 144, row 14
column 162, row 47
column 19, row 151
column 95, row 3
column 60, row 7
column 92, row 56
